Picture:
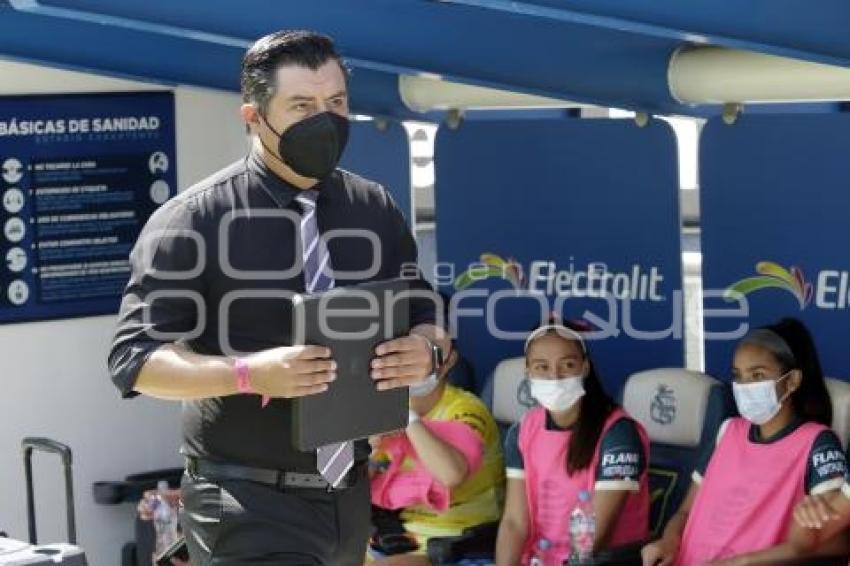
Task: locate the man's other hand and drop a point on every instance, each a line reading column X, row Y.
column 402, row 362
column 291, row 371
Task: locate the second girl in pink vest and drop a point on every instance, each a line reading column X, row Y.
column 740, row 505
column 577, row 440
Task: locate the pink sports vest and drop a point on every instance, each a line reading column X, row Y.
column 552, row 494
column 747, row 496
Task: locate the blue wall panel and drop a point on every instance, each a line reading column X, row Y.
column 775, row 196
column 382, row 156
column 596, row 197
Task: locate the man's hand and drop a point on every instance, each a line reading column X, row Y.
column 814, row 512
column 291, row 371
column 402, row 362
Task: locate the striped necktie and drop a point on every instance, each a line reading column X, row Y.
column 332, row 460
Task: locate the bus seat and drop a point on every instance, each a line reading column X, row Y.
column 506, row 393
column 681, row 411
column 839, row 392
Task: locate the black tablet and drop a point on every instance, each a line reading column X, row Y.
column 351, row 321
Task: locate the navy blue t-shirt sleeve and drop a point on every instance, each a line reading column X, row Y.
column 827, row 464
column 705, row 456
column 622, row 458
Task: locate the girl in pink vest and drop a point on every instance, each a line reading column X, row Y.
column 740, row 505
column 578, row 440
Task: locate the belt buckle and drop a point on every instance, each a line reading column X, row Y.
column 304, row 480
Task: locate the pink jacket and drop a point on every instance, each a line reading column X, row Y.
column 397, row 489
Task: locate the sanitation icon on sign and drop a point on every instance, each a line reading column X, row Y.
column 16, row 259
column 19, row 292
column 160, row 191
column 13, row 200
column 158, row 163
column 14, row 229
column 12, row 170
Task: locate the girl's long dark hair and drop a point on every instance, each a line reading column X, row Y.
column 811, row 399
column 596, row 407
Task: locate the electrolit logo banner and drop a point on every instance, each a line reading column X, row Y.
column 831, row 289
column 594, row 280
column 498, row 299
column 533, row 218
column 774, row 230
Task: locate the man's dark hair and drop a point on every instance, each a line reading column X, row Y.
column 262, row 60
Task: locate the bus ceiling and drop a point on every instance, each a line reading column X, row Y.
column 418, row 59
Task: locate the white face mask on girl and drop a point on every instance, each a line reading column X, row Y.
column 757, row 402
column 557, row 394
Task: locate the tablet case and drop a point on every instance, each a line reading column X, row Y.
column 352, row 407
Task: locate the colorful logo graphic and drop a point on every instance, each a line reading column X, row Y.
column 492, row 265
column 772, row 275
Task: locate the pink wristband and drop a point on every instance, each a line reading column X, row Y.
column 243, row 380
column 243, row 376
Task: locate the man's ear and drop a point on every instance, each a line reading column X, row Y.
column 251, row 116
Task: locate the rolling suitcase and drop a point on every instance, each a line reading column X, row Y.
column 18, row 553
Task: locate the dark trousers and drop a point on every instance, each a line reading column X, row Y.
column 241, row 522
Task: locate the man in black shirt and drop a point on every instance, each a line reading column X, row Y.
column 206, row 317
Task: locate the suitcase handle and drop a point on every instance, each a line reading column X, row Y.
column 29, row 445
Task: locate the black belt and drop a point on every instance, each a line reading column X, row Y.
column 276, row 478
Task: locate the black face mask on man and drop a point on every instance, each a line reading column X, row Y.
column 312, row 147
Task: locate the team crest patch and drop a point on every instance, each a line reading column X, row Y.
column 662, row 409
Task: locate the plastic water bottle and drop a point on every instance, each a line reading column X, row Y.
column 165, row 519
column 538, row 558
column 582, row 530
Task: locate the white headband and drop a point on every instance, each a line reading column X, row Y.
column 561, row 330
